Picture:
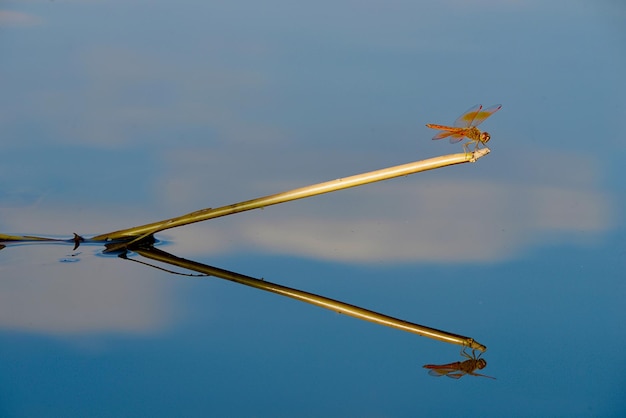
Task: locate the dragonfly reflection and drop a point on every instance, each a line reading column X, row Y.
column 459, row 369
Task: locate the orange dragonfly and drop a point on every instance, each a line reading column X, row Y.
column 458, row 369
column 466, row 127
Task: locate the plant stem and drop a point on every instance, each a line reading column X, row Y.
column 301, row 193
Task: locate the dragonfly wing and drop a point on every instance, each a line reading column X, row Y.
column 439, row 372
column 466, row 119
column 449, row 366
column 443, row 369
column 484, row 114
column 454, row 138
column 443, row 134
column 483, row 375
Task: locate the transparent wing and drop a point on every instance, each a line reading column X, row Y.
column 485, row 113
column 476, row 115
column 456, row 138
column 443, row 134
column 483, row 375
column 440, row 372
column 447, row 131
column 466, row 119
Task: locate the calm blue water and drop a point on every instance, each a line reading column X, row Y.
column 118, row 114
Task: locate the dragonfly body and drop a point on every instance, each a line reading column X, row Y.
column 466, row 127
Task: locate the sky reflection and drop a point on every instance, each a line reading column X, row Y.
column 117, row 113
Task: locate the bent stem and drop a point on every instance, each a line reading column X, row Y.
column 321, row 301
column 301, row 193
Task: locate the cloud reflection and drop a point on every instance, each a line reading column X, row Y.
column 39, row 294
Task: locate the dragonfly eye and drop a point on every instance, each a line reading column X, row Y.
column 485, row 137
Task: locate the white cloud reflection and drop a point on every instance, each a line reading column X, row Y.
column 40, row 294
column 75, row 298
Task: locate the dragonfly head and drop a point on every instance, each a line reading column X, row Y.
column 481, row 363
column 484, row 137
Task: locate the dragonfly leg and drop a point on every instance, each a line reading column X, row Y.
column 468, row 144
column 472, row 356
column 464, row 353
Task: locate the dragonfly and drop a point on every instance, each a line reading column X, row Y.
column 466, row 127
column 458, row 369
